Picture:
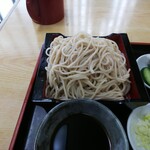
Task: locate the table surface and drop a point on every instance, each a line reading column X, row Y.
column 21, row 40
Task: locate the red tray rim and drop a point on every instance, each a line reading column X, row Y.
column 12, row 143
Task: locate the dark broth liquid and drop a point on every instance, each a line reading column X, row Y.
column 80, row 132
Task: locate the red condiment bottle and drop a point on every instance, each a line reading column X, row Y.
column 45, row 12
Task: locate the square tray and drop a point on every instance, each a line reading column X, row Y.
column 36, row 107
column 137, row 92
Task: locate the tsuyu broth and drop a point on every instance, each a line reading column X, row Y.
column 79, row 132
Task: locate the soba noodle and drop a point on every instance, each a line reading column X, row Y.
column 89, row 67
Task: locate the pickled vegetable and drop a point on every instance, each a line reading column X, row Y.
column 142, row 131
column 146, row 75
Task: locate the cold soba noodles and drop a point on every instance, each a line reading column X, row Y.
column 89, row 67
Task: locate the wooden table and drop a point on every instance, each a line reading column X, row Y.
column 21, row 40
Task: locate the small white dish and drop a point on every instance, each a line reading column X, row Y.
column 134, row 118
column 143, row 61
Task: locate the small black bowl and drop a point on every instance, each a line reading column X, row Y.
column 78, row 125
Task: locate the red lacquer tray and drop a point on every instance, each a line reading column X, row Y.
column 36, row 105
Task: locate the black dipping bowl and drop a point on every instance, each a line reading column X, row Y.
column 79, row 125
